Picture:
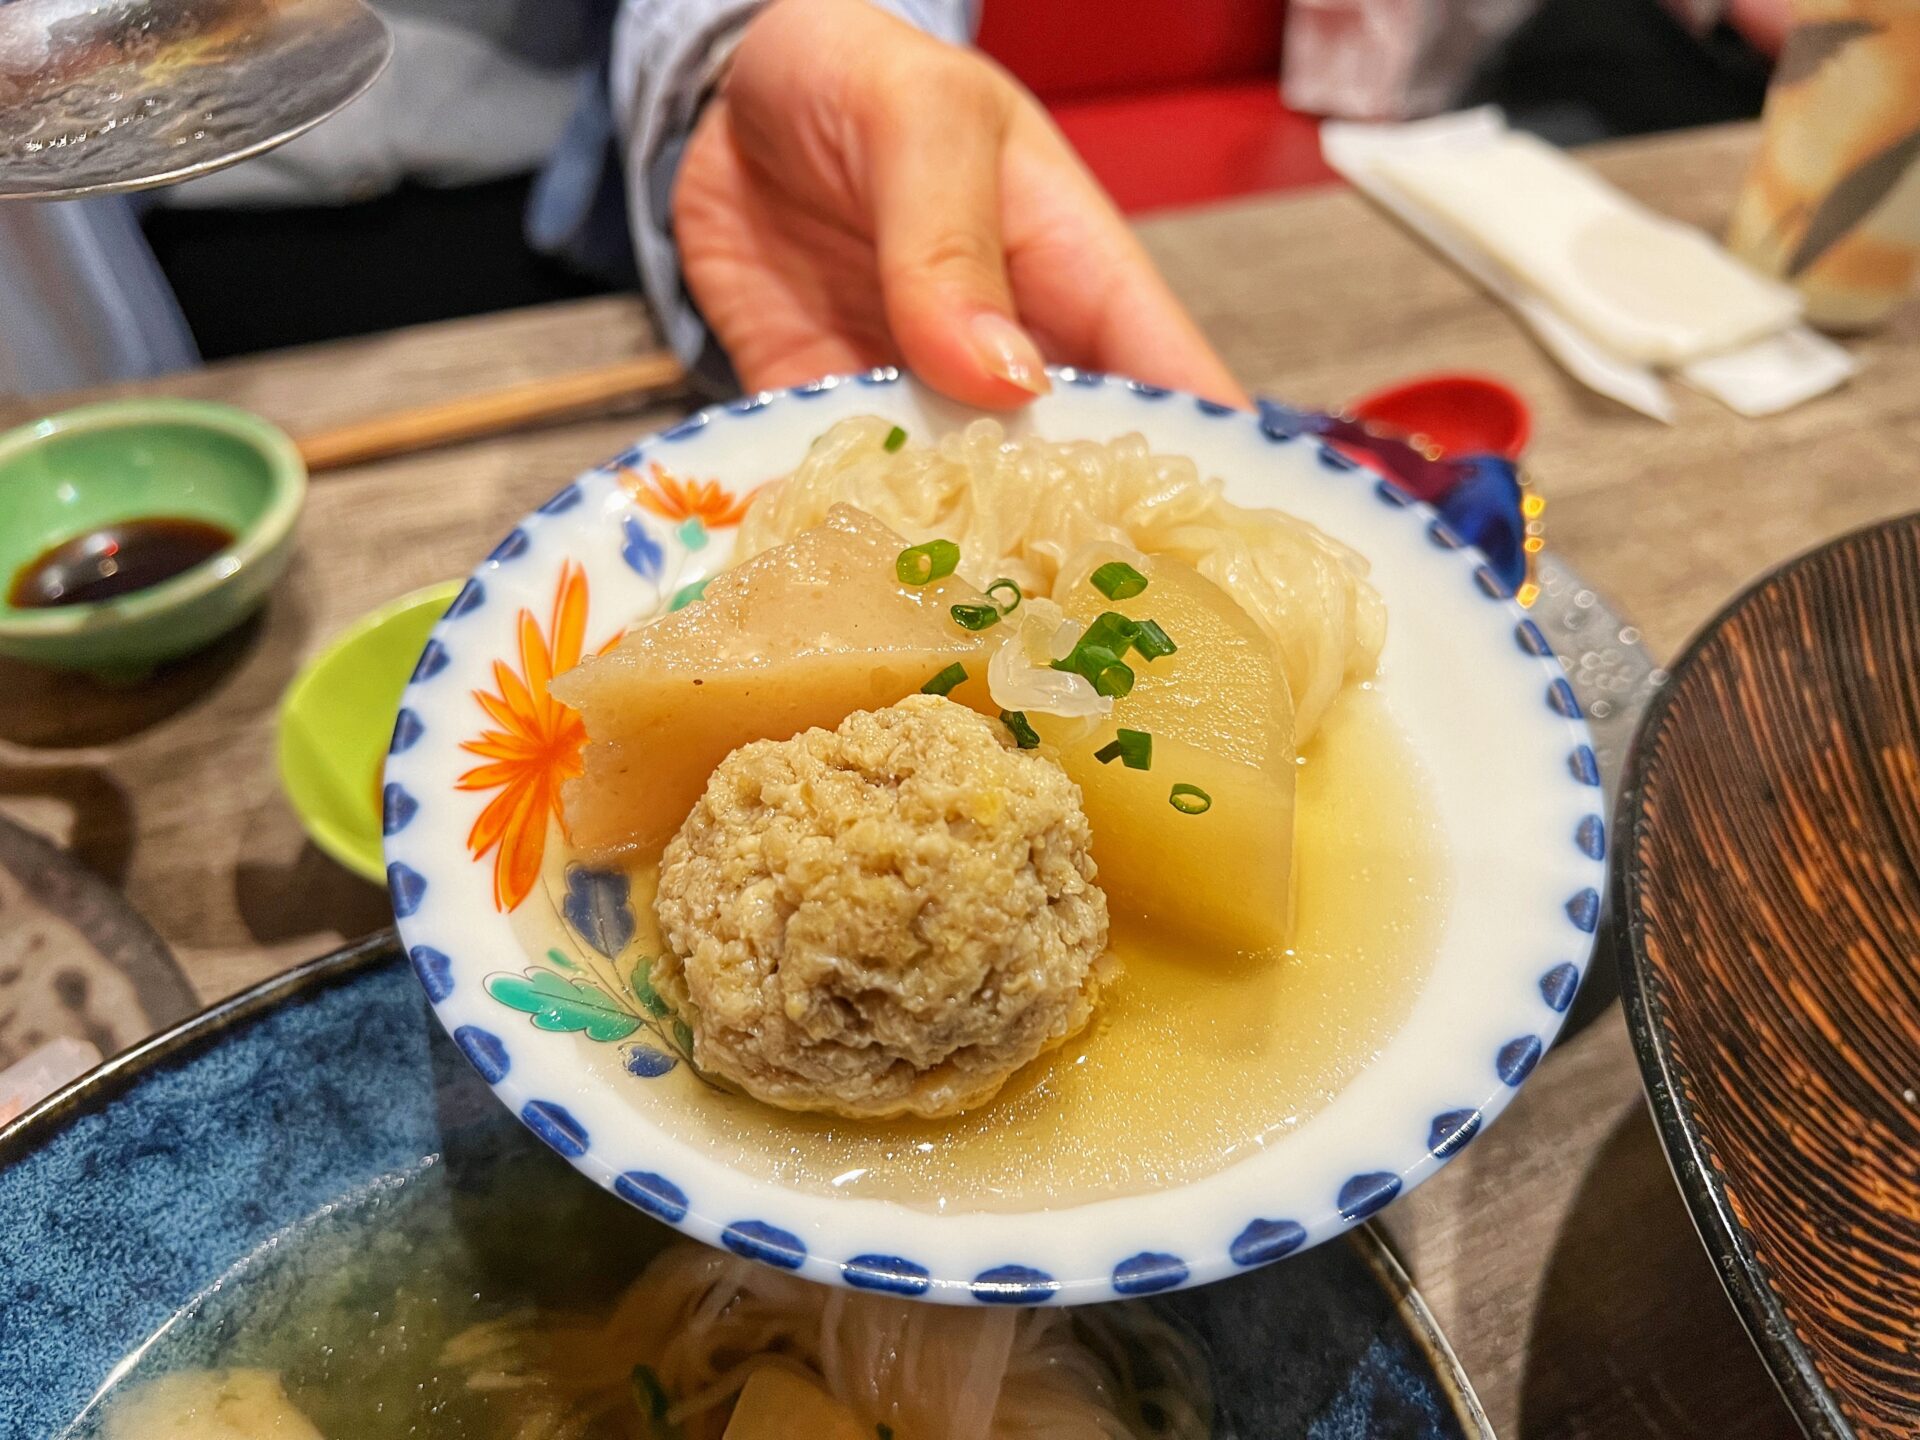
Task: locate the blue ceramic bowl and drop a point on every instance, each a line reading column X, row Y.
column 328, row 1101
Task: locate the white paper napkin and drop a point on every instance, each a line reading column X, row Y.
column 1610, row 289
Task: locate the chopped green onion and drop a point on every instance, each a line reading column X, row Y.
column 1111, row 630
column 1118, row 580
column 1100, row 646
column 944, row 682
column 1132, row 748
column 896, row 437
column 1152, row 642
column 1097, row 655
column 1024, row 735
column 1190, row 800
column 1115, row 680
column 1006, row 607
column 919, row 564
column 1087, row 660
column 975, row 617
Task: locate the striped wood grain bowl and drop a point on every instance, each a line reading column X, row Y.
column 1768, row 871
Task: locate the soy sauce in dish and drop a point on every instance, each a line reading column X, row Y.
column 116, row 559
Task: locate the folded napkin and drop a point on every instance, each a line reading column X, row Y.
column 1614, row 291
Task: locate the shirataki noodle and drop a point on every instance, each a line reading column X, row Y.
column 1020, row 507
column 702, row 1321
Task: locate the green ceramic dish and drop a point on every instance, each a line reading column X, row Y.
column 74, row 472
column 336, row 720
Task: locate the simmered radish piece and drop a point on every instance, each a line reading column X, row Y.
column 800, row 635
column 780, row 1405
column 1221, row 719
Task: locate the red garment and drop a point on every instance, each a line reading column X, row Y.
column 1170, row 102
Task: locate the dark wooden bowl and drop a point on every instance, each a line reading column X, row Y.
column 1768, row 876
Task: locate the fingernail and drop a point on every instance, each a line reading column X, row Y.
column 1009, row 352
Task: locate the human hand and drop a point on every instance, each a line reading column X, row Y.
column 860, row 194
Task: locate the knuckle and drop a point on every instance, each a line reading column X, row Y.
column 955, row 253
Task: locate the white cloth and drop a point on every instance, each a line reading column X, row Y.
column 1649, row 289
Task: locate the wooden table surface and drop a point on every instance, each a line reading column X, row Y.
column 1555, row 1251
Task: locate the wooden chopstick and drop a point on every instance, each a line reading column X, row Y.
column 496, row 412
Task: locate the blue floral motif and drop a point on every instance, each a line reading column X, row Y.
column 1558, row 985
column 435, row 971
column 433, row 659
column 1517, row 1058
column 599, row 909
column 1147, row 1272
column 1332, row 459
column 1393, row 494
column 1212, row 407
column 1584, row 767
column 1528, row 637
column 1584, row 910
column 648, row 1063
column 1367, row 1194
column 511, row 548
column 562, row 500
column 485, row 1051
column 397, row 809
column 407, row 887
column 888, row 1273
column 747, row 404
column 471, row 597
column 814, row 388
column 1148, row 392
column 556, row 1125
column 407, row 730
column 1439, row 533
column 645, row 556
column 1265, row 1240
column 757, row 1240
column 655, row 1194
column 1281, row 423
column 1451, row 1131
column 880, row 375
column 1013, row 1285
column 1561, row 697
column 1591, row 836
column 1491, row 584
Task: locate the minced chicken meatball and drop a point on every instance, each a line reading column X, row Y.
column 885, row 919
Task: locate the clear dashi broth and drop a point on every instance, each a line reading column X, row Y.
column 378, row 1318
column 1195, row 1060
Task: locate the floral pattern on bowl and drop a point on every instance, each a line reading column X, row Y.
column 531, row 963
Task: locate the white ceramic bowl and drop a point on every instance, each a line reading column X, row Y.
column 1465, row 674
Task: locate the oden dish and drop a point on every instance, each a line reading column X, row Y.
column 1283, row 1028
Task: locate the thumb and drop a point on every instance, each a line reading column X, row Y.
column 943, row 273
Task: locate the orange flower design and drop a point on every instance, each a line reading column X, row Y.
column 672, row 498
column 536, row 748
